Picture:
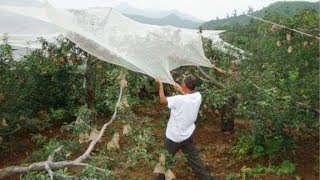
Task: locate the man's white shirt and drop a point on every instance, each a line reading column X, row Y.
column 184, row 113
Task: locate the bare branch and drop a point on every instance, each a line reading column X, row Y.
column 46, row 165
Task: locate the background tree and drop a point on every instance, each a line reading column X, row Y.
column 250, row 10
column 235, row 13
column 279, row 86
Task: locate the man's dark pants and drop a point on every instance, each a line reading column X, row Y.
column 191, row 154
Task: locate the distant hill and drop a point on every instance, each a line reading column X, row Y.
column 125, row 8
column 15, row 23
column 288, row 8
column 159, row 17
column 171, row 19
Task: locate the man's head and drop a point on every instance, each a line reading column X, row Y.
column 189, row 83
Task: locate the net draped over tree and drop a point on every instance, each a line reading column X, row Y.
column 112, row 37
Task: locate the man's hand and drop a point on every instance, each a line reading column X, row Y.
column 178, row 88
column 158, row 81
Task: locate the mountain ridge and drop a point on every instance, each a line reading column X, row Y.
column 171, row 20
column 287, row 8
column 125, row 8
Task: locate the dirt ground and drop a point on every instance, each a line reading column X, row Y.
column 212, row 144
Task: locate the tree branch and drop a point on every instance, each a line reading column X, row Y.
column 211, row 79
column 299, row 104
column 49, row 165
column 203, row 79
column 18, row 127
column 88, row 126
column 306, row 106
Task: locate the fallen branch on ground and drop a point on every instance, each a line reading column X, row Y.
column 50, row 165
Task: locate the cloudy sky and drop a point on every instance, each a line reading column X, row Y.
column 202, row 9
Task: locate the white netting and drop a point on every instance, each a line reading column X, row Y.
column 112, row 37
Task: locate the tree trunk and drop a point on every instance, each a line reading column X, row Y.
column 227, row 114
column 90, row 85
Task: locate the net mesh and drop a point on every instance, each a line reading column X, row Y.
column 112, row 37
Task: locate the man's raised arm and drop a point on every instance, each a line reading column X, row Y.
column 163, row 98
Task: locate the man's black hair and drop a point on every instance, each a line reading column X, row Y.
column 191, row 82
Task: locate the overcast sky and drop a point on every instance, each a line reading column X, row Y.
column 202, row 9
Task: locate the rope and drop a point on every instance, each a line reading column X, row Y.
column 285, row 27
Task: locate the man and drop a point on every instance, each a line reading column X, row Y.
column 227, row 110
column 181, row 125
